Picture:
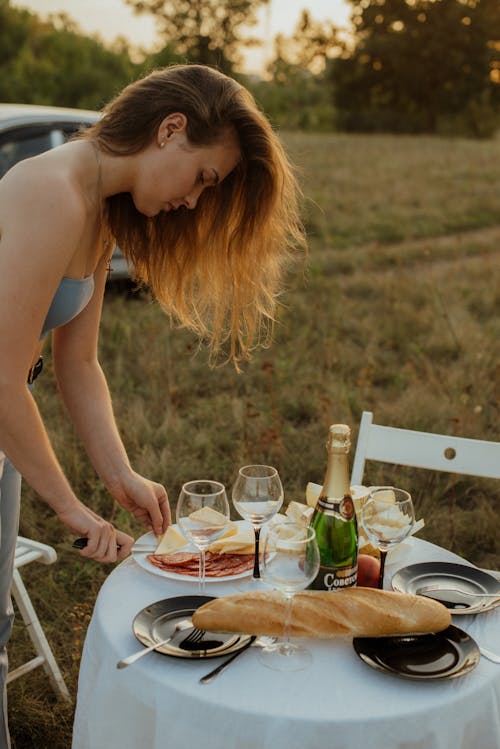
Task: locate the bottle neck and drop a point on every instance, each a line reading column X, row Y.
column 336, row 484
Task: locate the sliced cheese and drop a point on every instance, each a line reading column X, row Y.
column 170, row 541
column 359, row 494
column 312, row 493
column 299, row 512
column 208, row 516
column 231, row 530
column 241, row 542
column 385, row 495
column 277, row 519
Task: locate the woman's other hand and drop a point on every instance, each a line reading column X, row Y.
column 103, row 537
column 145, row 499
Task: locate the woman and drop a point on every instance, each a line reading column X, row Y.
column 186, row 174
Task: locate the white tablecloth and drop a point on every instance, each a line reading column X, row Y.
column 338, row 703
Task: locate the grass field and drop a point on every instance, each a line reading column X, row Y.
column 396, row 310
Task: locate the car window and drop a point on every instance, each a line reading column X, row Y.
column 21, row 143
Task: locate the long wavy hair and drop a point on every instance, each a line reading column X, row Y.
column 217, row 269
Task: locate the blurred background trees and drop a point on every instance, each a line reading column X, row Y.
column 420, row 66
column 208, row 32
column 52, row 62
column 403, row 66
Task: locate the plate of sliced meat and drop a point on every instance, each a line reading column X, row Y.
column 182, row 564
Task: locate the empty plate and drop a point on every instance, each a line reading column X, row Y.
column 445, row 575
column 157, row 621
column 440, row 655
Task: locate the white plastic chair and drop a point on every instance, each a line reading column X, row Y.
column 436, row 452
column 29, row 551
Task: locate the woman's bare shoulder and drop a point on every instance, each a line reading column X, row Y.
column 42, row 177
column 41, row 189
column 43, row 214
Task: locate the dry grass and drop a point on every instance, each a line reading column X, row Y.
column 396, row 311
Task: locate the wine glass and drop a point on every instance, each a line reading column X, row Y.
column 387, row 517
column 257, row 497
column 202, row 516
column 290, row 563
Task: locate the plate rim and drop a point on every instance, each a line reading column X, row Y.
column 454, row 673
column 241, row 641
column 140, row 558
column 469, row 610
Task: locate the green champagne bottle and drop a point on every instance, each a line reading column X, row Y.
column 334, row 518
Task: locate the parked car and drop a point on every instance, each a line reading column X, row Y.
column 28, row 129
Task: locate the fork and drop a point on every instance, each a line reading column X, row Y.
column 450, row 589
column 193, row 638
column 184, row 624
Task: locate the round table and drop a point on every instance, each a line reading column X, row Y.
column 337, row 703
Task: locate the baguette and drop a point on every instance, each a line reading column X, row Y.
column 356, row 612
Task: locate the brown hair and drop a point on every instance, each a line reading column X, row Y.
column 218, row 268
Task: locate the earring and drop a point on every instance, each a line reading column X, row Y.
column 162, row 144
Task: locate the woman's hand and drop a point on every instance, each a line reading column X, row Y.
column 145, row 499
column 103, row 537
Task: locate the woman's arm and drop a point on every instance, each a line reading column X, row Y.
column 85, row 392
column 41, row 223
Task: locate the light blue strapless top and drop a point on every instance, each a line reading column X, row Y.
column 71, row 297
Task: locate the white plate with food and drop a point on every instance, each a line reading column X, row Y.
column 181, row 563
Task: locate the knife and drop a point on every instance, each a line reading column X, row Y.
column 81, row 543
column 212, row 674
column 263, row 642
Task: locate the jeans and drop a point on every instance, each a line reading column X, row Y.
column 10, row 493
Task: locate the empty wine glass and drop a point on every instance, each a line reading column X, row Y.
column 387, row 517
column 202, row 516
column 290, row 563
column 257, row 497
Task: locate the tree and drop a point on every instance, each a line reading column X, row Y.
column 50, row 62
column 309, row 47
column 295, row 96
column 419, row 65
column 15, row 25
column 204, row 31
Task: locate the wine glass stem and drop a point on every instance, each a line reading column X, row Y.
column 201, row 571
column 256, row 568
column 288, row 620
column 383, row 555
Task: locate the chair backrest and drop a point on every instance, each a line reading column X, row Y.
column 28, row 551
column 437, row 452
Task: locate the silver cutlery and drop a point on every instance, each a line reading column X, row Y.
column 144, row 548
column 193, row 638
column 184, row 624
column 195, row 641
column 489, row 655
column 261, row 641
column 449, row 589
column 81, row 543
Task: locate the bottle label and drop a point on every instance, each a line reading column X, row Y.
column 343, row 509
column 329, row 578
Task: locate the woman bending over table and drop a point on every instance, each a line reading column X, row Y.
column 186, row 175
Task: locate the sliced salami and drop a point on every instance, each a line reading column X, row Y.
column 216, row 565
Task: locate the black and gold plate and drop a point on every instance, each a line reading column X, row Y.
column 158, row 621
column 450, row 575
column 441, row 655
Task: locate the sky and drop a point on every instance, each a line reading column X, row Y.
column 112, row 18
